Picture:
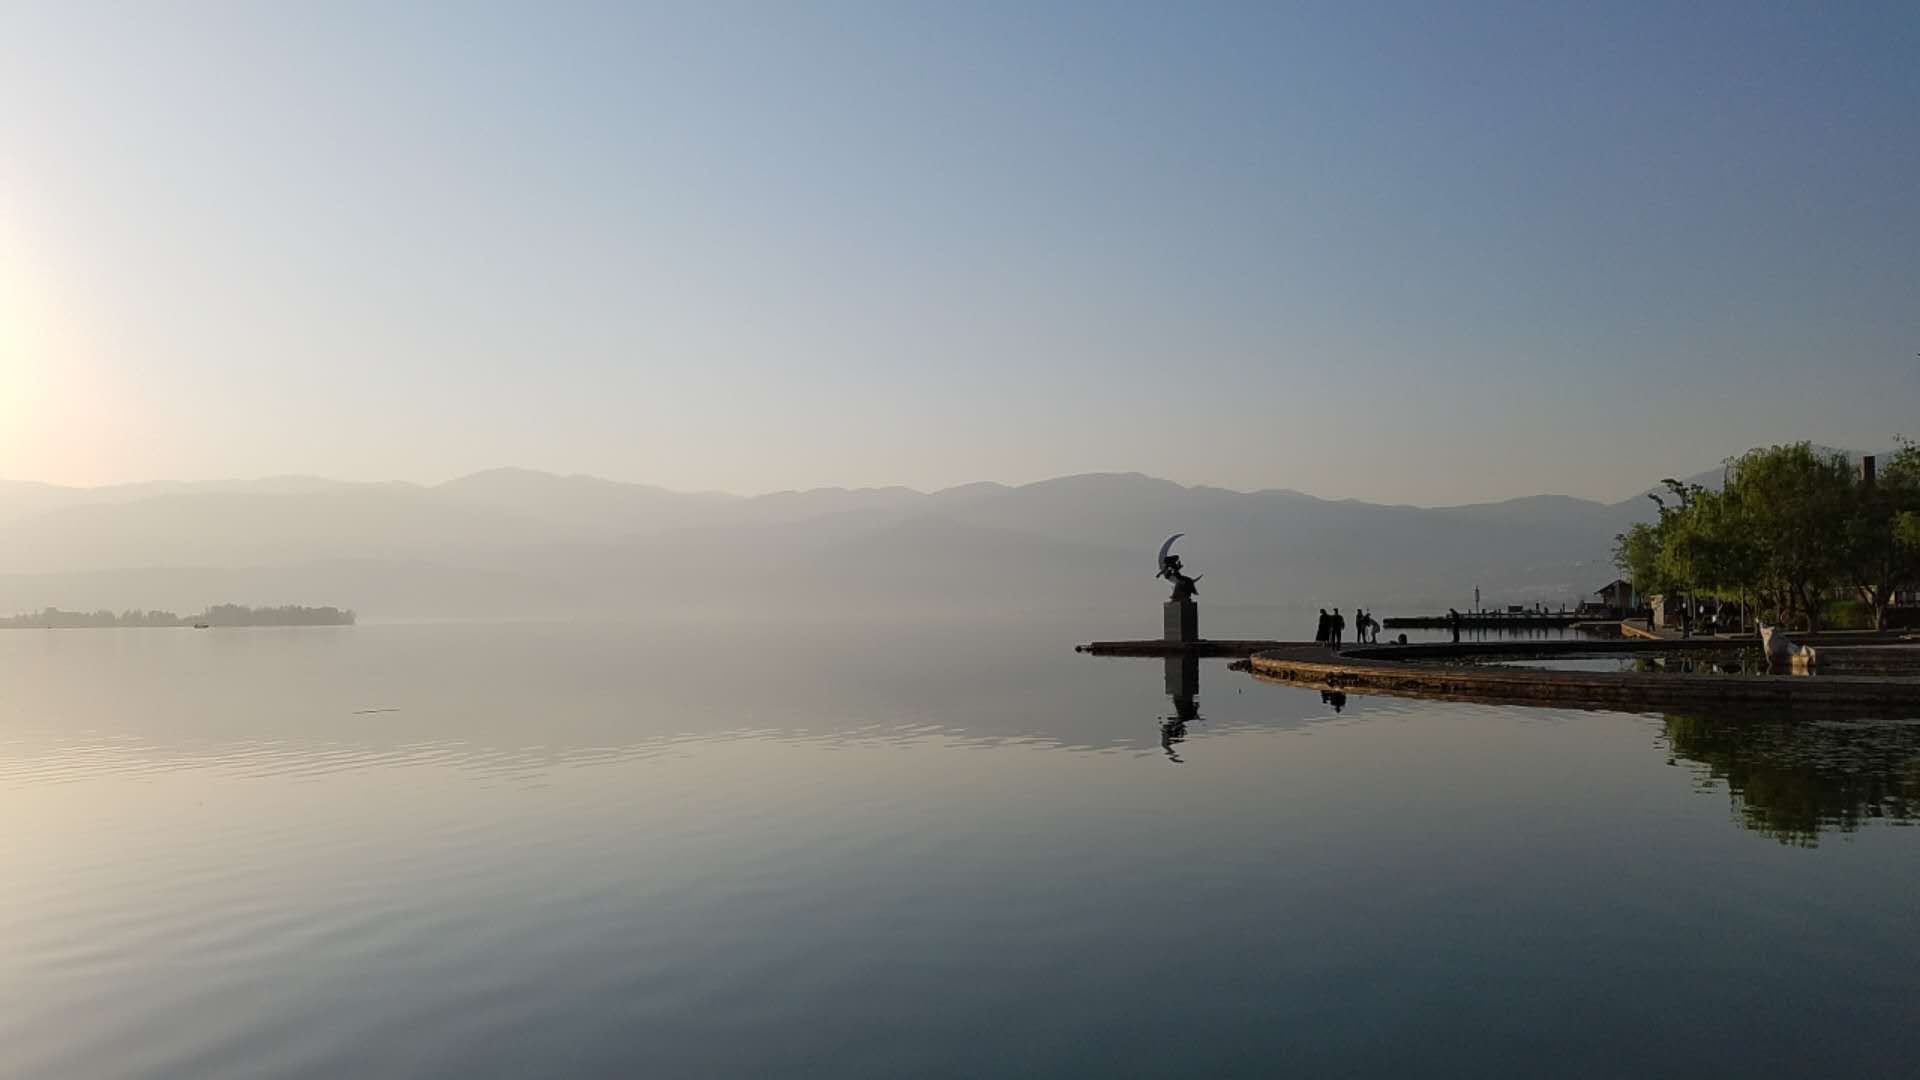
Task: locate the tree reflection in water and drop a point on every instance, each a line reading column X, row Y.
column 1791, row 779
column 1731, row 662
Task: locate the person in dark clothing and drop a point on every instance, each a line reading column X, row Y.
column 1339, row 627
column 1321, row 631
column 1453, row 623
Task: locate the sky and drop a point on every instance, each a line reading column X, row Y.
column 1399, row 252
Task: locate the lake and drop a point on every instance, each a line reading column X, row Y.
column 943, row 848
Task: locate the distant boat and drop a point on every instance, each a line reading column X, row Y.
column 199, row 626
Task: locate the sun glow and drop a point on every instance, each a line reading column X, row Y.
column 54, row 403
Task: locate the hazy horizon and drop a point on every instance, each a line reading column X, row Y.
column 215, row 481
column 242, row 479
column 747, row 538
column 1365, row 253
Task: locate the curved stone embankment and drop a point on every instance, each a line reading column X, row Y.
column 1423, row 671
column 1203, row 648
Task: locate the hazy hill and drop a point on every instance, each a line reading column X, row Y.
column 518, row 542
column 584, row 503
column 255, row 528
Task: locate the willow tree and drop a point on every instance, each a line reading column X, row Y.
column 1636, row 553
column 1797, row 506
column 1711, row 542
column 1675, row 554
column 1883, row 533
column 1686, row 547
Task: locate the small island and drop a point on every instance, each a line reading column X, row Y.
column 217, row 615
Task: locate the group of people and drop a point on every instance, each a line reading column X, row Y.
column 1332, row 630
column 1707, row 615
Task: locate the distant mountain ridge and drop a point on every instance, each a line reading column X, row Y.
column 1715, row 478
column 508, row 542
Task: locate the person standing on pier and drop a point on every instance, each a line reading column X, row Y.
column 1324, row 630
column 1337, row 628
column 1453, row 623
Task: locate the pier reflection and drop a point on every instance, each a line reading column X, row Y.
column 1792, row 780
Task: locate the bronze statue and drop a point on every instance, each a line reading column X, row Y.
column 1171, row 569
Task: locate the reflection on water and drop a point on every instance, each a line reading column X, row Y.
column 1790, row 779
column 1182, row 683
column 1748, row 662
column 1877, row 661
column 907, row 849
column 1717, row 662
column 1183, row 689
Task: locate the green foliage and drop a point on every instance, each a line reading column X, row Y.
column 1795, row 505
column 1846, row 615
column 1637, row 553
column 1883, row 533
column 1907, row 529
column 1790, row 524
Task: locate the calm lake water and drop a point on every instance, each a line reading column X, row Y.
column 949, row 849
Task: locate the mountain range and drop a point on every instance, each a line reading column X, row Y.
column 516, row 542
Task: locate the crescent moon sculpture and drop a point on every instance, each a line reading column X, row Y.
column 1169, row 544
column 1171, row 569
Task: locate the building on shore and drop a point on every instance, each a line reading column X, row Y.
column 1618, row 598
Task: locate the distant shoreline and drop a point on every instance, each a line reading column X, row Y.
column 217, row 616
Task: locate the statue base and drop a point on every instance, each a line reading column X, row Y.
column 1181, row 621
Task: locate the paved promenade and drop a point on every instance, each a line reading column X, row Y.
column 1437, row 671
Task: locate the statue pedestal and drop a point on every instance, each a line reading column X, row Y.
column 1181, row 621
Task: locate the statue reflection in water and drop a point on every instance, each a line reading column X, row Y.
column 1183, row 689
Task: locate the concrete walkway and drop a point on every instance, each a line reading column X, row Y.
column 1434, row 671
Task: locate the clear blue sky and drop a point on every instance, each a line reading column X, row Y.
column 1399, row 252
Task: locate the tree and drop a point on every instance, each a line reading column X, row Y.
column 1739, row 554
column 1685, row 546
column 1796, row 505
column 1907, row 528
column 1883, row 533
column 1636, row 553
